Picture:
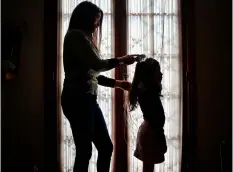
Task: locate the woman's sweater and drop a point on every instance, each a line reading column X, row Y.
column 82, row 64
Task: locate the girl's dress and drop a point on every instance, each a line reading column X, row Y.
column 151, row 142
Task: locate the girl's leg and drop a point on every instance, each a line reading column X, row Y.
column 102, row 142
column 148, row 167
column 79, row 110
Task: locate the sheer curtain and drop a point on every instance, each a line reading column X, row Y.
column 153, row 30
column 104, row 94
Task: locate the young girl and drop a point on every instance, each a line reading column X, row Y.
column 146, row 91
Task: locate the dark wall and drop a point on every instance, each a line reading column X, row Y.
column 22, row 98
column 213, row 73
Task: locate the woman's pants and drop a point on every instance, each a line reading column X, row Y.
column 88, row 125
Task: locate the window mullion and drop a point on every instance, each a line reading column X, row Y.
column 120, row 130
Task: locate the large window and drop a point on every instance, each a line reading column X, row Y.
column 152, row 29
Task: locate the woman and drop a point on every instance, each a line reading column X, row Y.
column 82, row 65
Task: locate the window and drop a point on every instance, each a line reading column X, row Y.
column 152, row 30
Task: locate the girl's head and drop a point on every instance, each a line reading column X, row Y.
column 147, row 76
column 87, row 17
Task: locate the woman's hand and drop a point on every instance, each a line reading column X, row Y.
column 124, row 85
column 130, row 59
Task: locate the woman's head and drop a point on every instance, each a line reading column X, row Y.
column 86, row 17
column 147, row 74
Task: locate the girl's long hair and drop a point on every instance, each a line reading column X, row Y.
column 83, row 18
column 144, row 74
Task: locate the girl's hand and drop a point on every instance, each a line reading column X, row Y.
column 124, row 85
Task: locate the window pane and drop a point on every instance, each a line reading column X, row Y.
column 153, row 30
column 104, row 94
column 149, row 6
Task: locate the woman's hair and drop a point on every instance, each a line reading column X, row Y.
column 83, row 18
column 144, row 74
